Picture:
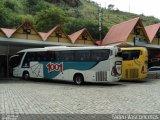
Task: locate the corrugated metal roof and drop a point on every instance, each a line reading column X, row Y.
column 152, row 31
column 120, row 32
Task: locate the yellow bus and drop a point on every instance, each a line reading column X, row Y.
column 135, row 63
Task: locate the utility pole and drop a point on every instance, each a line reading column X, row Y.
column 100, row 22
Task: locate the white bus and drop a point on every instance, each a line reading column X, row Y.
column 78, row 64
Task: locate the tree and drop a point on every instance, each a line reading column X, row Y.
column 49, row 18
column 72, row 3
column 4, row 17
column 34, row 6
column 92, row 26
column 9, row 4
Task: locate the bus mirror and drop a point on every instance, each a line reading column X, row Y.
column 119, row 54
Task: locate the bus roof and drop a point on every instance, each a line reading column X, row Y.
column 59, row 48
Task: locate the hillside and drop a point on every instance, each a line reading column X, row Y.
column 71, row 14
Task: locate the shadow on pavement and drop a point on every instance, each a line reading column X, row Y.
column 11, row 80
column 47, row 81
column 145, row 81
column 104, row 84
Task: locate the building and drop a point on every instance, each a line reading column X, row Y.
column 128, row 33
column 26, row 36
column 133, row 33
column 153, row 32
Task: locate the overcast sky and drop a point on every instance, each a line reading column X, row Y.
column 146, row 7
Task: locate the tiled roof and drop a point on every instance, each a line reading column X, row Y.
column 43, row 35
column 99, row 42
column 28, row 22
column 77, row 34
column 52, row 30
column 120, row 32
column 152, row 31
column 8, row 32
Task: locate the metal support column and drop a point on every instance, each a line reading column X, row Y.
column 8, row 49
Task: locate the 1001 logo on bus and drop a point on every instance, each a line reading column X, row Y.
column 54, row 67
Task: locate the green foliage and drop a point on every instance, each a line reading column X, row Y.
column 34, row 6
column 9, row 4
column 3, row 17
column 50, row 1
column 45, row 15
column 76, row 24
column 49, row 18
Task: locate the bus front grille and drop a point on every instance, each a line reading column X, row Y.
column 131, row 73
column 101, row 76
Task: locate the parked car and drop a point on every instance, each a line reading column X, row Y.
column 154, row 72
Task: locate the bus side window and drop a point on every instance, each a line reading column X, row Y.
column 65, row 56
column 82, row 55
column 69, row 55
column 32, row 56
column 100, row 55
column 95, row 55
column 50, row 56
column 57, row 56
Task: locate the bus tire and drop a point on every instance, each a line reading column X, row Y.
column 25, row 75
column 78, row 79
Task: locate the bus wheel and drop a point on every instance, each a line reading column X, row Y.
column 78, row 79
column 26, row 75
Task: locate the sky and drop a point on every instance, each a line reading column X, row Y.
column 146, row 7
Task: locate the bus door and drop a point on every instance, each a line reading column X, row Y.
column 14, row 61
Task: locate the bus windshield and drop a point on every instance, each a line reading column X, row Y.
column 130, row 54
column 15, row 60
